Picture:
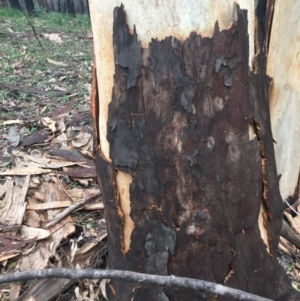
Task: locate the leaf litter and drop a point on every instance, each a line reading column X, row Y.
column 51, row 211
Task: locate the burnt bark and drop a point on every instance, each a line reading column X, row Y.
column 189, row 127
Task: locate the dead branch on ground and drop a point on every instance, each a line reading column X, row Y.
column 140, row 278
column 90, row 197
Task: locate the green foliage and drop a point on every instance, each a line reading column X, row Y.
column 3, row 95
column 31, row 129
column 50, row 20
column 291, row 267
column 6, row 164
column 66, row 98
column 49, row 108
column 65, row 21
column 77, row 106
column 295, row 286
column 24, row 63
column 7, row 12
column 73, row 185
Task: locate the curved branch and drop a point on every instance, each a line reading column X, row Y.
column 132, row 277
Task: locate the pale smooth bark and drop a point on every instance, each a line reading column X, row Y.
column 283, row 65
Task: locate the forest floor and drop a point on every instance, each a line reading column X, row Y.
column 46, row 155
column 46, row 158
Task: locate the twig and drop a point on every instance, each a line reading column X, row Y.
column 46, row 143
column 194, row 284
column 33, row 29
column 63, row 188
column 35, row 91
column 73, row 207
column 297, row 213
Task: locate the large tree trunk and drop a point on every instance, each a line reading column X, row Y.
column 186, row 161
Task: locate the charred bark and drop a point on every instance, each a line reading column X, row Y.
column 192, row 187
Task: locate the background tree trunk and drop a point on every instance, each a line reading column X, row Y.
column 65, row 6
column 29, row 7
column 14, row 4
column 186, row 161
column 28, row 4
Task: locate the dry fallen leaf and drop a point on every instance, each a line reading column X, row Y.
column 294, row 221
column 56, row 63
column 13, row 204
column 13, row 121
column 60, row 88
column 24, row 171
column 14, row 291
column 44, row 161
column 89, row 34
column 103, row 284
column 78, row 194
column 52, row 205
column 12, row 136
column 46, row 248
column 46, row 289
column 44, row 109
column 61, row 126
column 54, row 37
column 62, row 139
column 4, row 187
column 48, row 122
column 81, row 139
column 33, row 219
column 12, row 245
column 37, row 233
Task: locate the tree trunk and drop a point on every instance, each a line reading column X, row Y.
column 186, row 162
column 29, row 7
column 70, row 7
column 65, row 6
column 14, row 4
column 285, row 91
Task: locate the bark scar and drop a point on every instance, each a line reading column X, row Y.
column 264, row 213
column 123, row 181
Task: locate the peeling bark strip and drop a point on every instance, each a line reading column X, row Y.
column 192, row 166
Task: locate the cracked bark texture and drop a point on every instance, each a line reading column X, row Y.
column 192, row 188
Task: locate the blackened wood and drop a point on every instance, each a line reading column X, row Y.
column 95, row 109
column 265, row 12
column 179, row 124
